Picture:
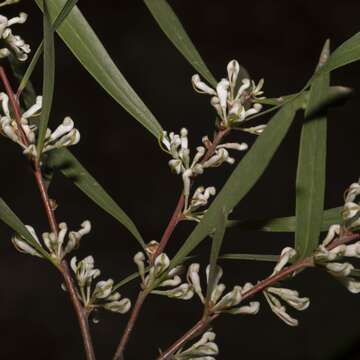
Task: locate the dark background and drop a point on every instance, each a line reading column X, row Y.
column 278, row 40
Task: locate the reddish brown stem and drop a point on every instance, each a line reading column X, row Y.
column 175, row 218
column 260, row 286
column 217, row 140
column 14, row 105
column 119, row 354
column 197, row 329
column 80, row 311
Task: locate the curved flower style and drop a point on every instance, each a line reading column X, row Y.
column 55, row 245
column 172, row 282
column 64, row 135
column 233, row 103
column 273, row 294
column 14, row 44
column 177, row 145
column 218, row 302
column 103, row 294
column 203, row 349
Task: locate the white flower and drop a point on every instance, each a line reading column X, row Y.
column 218, row 302
column 22, row 246
column 103, row 295
column 177, row 145
column 64, row 135
column 199, row 199
column 351, row 210
column 291, row 297
column 54, row 244
column 233, row 103
column 14, row 44
column 286, row 255
column 204, row 349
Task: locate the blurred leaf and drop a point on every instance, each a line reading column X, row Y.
column 311, row 172
column 217, row 241
column 243, row 178
column 58, row 21
column 48, row 78
column 255, row 257
column 66, row 162
column 286, row 224
column 173, row 29
column 346, row 53
column 18, row 70
column 336, row 95
column 85, row 45
column 11, row 220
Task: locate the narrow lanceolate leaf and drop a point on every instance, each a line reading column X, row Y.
column 217, row 241
column 286, row 224
column 310, row 179
column 86, row 46
column 336, row 95
column 346, row 53
column 18, row 70
column 251, row 257
column 11, row 220
column 66, row 162
column 48, row 77
column 243, row 178
column 173, row 29
column 65, row 11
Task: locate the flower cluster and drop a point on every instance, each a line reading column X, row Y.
column 218, row 302
column 330, row 259
column 351, row 211
column 177, row 146
column 64, row 135
column 172, row 284
column 274, row 295
column 204, row 349
column 103, row 294
column 14, row 44
column 233, row 102
column 55, row 244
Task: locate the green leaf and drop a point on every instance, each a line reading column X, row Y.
column 243, row 178
column 346, row 53
column 85, row 45
column 173, row 29
column 18, row 70
column 58, row 21
column 11, row 220
column 311, row 172
column 48, row 78
column 215, row 250
column 336, row 95
column 286, row 224
column 66, row 162
column 255, row 257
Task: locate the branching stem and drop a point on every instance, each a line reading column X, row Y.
column 81, row 313
column 201, row 325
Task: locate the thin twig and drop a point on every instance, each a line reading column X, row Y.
column 260, row 286
column 174, row 220
column 197, row 329
column 82, row 315
column 119, row 354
